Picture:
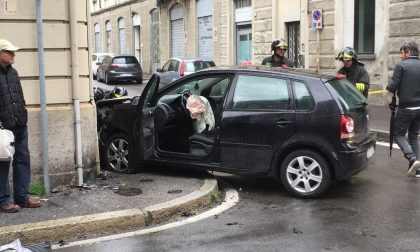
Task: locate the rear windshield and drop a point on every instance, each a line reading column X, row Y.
column 198, row 65
column 124, row 60
column 349, row 95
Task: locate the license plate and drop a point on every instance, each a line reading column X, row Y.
column 370, row 152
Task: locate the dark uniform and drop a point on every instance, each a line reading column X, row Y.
column 357, row 74
column 284, row 62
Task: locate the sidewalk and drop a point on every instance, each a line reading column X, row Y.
column 103, row 207
column 379, row 117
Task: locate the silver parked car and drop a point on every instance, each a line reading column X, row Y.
column 176, row 68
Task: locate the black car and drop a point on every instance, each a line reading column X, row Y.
column 119, row 68
column 302, row 128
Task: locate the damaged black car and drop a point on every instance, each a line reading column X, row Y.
column 301, row 128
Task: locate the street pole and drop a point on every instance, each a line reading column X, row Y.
column 318, row 63
column 42, row 97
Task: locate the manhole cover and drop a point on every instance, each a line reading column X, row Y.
column 174, row 191
column 129, row 191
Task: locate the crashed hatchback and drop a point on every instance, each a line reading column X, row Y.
column 301, row 128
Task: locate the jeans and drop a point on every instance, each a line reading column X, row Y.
column 21, row 170
column 407, row 120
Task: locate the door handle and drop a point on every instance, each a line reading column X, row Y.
column 283, row 123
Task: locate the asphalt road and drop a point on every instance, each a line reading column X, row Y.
column 378, row 210
column 132, row 88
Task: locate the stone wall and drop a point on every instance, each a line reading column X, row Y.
column 262, row 30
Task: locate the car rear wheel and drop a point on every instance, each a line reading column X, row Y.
column 116, row 153
column 305, row 174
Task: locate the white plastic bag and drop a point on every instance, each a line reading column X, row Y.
column 7, row 145
column 14, row 246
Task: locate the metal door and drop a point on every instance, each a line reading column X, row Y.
column 205, row 37
column 243, row 43
column 293, row 31
column 154, row 41
column 177, row 38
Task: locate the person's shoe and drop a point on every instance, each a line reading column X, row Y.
column 31, row 203
column 418, row 173
column 10, row 208
column 413, row 168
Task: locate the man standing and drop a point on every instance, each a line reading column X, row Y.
column 354, row 70
column 14, row 116
column 406, row 84
column 279, row 46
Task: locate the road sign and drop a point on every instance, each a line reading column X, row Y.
column 316, row 19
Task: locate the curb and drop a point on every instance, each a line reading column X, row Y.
column 117, row 221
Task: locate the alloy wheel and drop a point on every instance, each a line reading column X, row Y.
column 304, row 174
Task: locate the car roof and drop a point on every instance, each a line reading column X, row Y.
column 288, row 71
column 192, row 59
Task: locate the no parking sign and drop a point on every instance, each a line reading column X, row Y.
column 316, row 19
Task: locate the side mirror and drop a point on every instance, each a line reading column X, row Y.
column 159, row 70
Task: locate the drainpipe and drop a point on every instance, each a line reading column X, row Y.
column 75, row 86
column 42, row 97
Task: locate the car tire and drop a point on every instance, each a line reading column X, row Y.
column 94, row 76
column 115, row 154
column 305, row 174
column 98, row 77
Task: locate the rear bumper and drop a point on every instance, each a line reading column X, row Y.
column 355, row 158
column 125, row 76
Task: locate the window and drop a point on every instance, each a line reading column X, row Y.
column 260, row 93
column 125, row 60
column 350, row 97
column 303, row 99
column 364, row 26
column 97, row 38
column 165, row 67
column 121, row 31
column 243, row 3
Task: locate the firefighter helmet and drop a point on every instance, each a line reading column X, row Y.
column 347, row 53
column 278, row 43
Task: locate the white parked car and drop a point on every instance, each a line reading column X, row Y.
column 97, row 59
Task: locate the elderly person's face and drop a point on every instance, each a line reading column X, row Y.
column 7, row 57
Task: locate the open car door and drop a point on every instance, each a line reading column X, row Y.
column 142, row 135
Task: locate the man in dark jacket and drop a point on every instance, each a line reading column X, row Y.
column 279, row 46
column 406, row 84
column 354, row 70
column 14, row 116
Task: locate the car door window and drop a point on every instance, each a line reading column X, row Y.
column 219, row 89
column 260, row 93
column 303, row 99
column 165, row 68
column 174, row 66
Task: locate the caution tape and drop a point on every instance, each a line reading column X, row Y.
column 378, row 91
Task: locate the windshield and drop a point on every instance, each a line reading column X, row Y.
column 350, row 97
column 198, row 65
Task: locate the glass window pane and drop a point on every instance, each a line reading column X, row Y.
column 303, row 99
column 255, row 93
column 364, row 26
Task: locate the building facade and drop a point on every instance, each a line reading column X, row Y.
column 67, row 63
column 232, row 31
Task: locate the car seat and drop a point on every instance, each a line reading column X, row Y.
column 202, row 141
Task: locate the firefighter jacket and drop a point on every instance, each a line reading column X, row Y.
column 283, row 62
column 357, row 73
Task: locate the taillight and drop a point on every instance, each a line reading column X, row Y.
column 113, row 66
column 181, row 68
column 98, row 63
column 346, row 126
column 137, row 66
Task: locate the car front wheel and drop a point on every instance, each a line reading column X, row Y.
column 305, row 174
column 116, row 153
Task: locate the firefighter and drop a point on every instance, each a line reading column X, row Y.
column 354, row 70
column 279, row 47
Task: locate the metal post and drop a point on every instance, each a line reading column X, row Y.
column 318, row 61
column 42, row 96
